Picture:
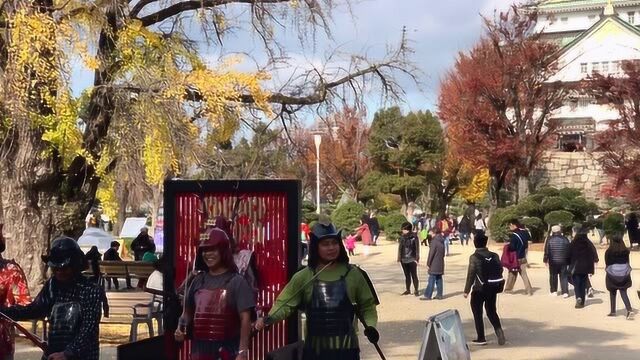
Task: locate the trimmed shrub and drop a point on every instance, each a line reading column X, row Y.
column 536, row 227
column 498, row 223
column 347, row 217
column 391, row 224
column 569, row 193
column 581, row 208
column 529, row 207
column 536, row 198
column 613, row 224
column 560, row 217
column 554, row 203
column 548, row 191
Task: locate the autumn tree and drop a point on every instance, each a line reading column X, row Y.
column 153, row 96
column 498, row 100
column 618, row 147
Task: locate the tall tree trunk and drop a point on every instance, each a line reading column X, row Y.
column 523, row 188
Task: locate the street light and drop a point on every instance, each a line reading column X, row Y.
column 317, row 139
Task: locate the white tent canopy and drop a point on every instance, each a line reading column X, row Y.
column 95, row 237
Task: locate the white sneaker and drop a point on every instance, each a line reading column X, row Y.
column 553, row 294
column 565, row 295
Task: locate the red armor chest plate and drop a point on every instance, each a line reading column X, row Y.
column 214, row 319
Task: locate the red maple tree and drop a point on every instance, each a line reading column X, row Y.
column 498, row 99
column 343, row 152
column 619, row 145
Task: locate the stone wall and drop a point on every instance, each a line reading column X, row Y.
column 579, row 170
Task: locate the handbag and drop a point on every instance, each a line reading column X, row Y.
column 509, row 259
column 618, row 272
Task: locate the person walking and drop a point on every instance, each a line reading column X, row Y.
column 633, row 229
column 445, row 228
column 479, row 223
column 332, row 293
column 364, row 233
column 556, row 252
column 618, row 273
column 582, row 259
column 519, row 242
column 350, row 244
column 409, row 257
column 435, row 263
column 465, row 227
column 485, row 281
column 374, row 228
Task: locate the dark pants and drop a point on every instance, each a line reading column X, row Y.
column 580, row 285
column 623, row 295
column 555, row 272
column 478, row 298
column 410, row 273
column 464, row 238
column 351, row 252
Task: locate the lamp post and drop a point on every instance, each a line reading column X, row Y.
column 317, row 139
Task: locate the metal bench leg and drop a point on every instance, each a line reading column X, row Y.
column 150, row 326
column 160, row 328
column 133, row 334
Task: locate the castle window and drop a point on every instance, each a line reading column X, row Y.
column 595, row 67
column 564, row 20
column 583, row 68
column 605, row 67
column 592, row 18
column 631, row 16
column 615, row 67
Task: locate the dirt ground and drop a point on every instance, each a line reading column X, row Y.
column 537, row 327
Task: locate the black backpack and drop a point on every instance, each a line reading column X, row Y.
column 491, row 278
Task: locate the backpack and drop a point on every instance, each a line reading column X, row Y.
column 491, row 278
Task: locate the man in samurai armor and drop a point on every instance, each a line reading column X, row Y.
column 13, row 291
column 70, row 302
column 218, row 304
column 332, row 293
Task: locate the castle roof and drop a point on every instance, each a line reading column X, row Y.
column 560, row 6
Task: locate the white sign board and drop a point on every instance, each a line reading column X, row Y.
column 132, row 226
column 444, row 339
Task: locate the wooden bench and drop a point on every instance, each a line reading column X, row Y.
column 124, row 269
column 134, row 308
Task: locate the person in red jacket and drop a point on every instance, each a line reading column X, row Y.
column 13, row 291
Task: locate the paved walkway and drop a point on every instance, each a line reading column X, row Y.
column 536, row 327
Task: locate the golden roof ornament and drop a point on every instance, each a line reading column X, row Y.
column 609, row 10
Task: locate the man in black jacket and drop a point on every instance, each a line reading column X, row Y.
column 556, row 253
column 478, row 295
column 142, row 243
column 112, row 255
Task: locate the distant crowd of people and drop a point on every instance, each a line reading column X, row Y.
column 571, row 260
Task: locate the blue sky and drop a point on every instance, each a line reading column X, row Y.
column 438, row 30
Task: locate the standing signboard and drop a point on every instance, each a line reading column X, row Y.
column 444, row 339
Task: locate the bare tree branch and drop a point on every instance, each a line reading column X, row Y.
column 184, row 6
